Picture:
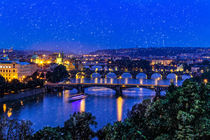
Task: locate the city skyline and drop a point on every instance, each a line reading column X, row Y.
column 85, row 26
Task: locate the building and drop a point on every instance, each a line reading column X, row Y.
column 165, row 62
column 180, row 68
column 59, row 59
column 16, row 70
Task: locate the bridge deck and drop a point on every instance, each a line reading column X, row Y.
column 106, row 84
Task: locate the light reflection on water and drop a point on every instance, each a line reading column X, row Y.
column 54, row 109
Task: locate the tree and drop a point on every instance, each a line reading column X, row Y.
column 181, row 114
column 15, row 129
column 2, row 86
column 79, row 125
column 15, row 85
column 50, row 133
column 59, row 73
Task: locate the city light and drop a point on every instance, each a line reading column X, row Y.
column 205, row 81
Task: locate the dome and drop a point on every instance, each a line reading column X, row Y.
column 35, row 57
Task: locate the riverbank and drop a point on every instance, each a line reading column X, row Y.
column 22, row 95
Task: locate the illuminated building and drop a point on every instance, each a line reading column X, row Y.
column 35, row 59
column 180, row 68
column 16, row 70
column 59, row 59
column 162, row 62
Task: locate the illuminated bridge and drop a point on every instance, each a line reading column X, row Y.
column 116, row 87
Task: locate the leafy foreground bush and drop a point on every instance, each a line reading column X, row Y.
column 77, row 128
column 183, row 113
column 14, row 129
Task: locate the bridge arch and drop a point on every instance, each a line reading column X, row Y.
column 141, row 76
column 80, row 75
column 96, row 75
column 111, row 75
column 126, row 75
column 186, row 76
column 171, row 76
column 96, row 68
column 156, row 76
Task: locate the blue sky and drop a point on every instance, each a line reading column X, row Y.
column 87, row 25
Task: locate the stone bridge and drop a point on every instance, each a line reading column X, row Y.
column 117, row 87
column 148, row 75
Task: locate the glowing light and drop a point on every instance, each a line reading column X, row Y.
column 205, row 81
column 111, row 80
column 141, row 81
column 82, row 80
column 4, row 107
column 119, row 108
column 21, row 103
column 126, row 80
column 156, row 81
column 105, row 81
column 9, row 113
column 96, row 80
column 82, row 105
column 101, row 80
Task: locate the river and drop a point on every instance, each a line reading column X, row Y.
column 54, row 109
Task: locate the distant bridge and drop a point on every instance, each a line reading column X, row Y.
column 133, row 74
column 117, row 87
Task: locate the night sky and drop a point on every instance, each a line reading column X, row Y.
column 87, row 25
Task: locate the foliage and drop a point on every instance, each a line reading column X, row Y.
column 50, row 133
column 15, row 129
column 120, row 130
column 15, row 85
column 79, row 125
column 199, row 79
column 183, row 113
column 2, row 85
column 59, row 73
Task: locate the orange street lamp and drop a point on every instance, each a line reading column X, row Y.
column 205, row 81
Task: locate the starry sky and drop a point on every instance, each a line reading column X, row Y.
column 88, row 25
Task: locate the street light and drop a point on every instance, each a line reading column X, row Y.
column 205, row 81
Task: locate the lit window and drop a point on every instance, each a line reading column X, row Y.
column 0, row 66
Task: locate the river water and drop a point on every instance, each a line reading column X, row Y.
column 53, row 109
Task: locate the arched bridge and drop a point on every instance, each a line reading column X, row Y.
column 117, row 87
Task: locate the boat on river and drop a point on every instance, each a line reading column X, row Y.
column 77, row 97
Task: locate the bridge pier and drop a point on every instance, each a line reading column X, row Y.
column 118, row 90
column 80, row 89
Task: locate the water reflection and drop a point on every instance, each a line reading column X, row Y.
column 82, row 105
column 21, row 103
column 9, row 112
column 119, row 108
column 4, row 108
